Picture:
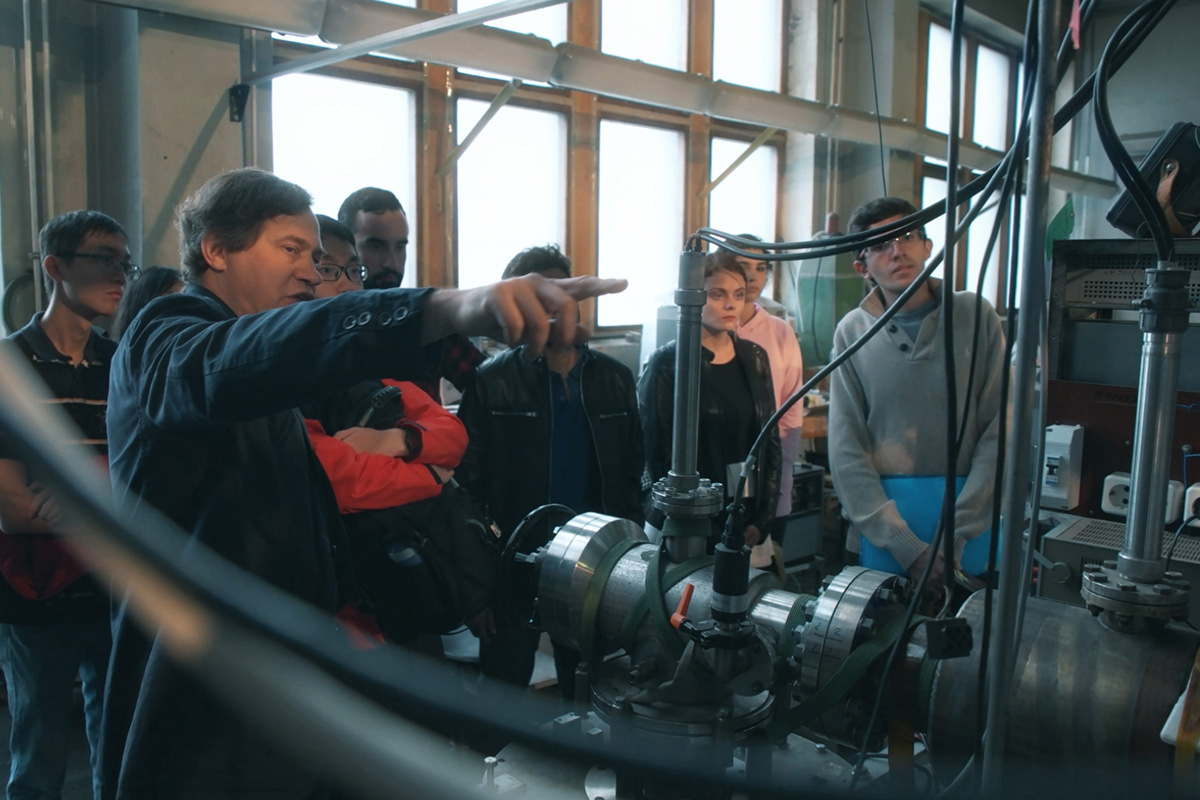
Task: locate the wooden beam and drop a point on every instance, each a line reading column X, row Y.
column 583, row 159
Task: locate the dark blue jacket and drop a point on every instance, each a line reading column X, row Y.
column 202, row 426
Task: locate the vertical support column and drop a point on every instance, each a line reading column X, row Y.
column 437, row 261
column 116, row 122
column 258, row 53
column 1029, row 326
column 698, row 148
column 583, row 158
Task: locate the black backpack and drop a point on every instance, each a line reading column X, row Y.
column 426, row 567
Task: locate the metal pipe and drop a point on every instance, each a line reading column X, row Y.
column 31, row 162
column 1033, row 302
column 47, row 119
column 1163, row 321
column 690, row 298
column 443, row 24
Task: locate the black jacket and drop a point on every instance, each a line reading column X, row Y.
column 202, row 426
column 656, row 401
column 508, row 416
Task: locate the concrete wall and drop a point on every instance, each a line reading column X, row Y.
column 138, row 118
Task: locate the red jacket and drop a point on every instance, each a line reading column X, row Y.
column 370, row 481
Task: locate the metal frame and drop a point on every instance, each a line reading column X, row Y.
column 443, row 24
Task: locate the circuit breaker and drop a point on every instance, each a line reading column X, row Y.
column 1062, row 459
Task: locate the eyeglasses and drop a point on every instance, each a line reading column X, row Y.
column 904, row 238
column 331, row 272
column 109, row 263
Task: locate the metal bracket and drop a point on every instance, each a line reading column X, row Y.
column 239, row 93
column 498, row 102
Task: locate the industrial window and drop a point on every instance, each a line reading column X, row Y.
column 653, row 32
column 334, row 152
column 641, row 218
column 511, row 188
column 748, row 43
column 992, row 82
column 745, row 201
column 987, row 118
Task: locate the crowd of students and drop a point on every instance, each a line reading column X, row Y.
column 195, row 414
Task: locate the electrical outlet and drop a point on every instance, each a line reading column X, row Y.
column 1191, row 503
column 1115, row 497
column 1174, row 509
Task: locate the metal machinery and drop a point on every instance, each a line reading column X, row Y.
column 770, row 684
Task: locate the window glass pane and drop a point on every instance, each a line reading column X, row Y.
column 331, row 155
column 511, row 188
column 745, row 201
column 546, row 23
column 748, row 42
column 991, row 98
column 937, row 80
column 980, row 231
column 654, row 32
column 933, row 190
column 641, row 219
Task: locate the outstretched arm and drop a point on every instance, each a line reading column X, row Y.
column 530, row 310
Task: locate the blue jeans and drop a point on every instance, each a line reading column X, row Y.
column 40, row 663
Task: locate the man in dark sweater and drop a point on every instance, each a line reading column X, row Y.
column 55, row 614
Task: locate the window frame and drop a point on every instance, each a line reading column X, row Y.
column 924, row 169
column 437, row 89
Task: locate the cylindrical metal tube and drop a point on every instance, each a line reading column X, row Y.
column 1086, row 703
column 690, row 299
column 1141, row 558
column 1163, row 321
column 1018, row 468
column 568, row 569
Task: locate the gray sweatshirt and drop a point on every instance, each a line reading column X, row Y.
column 887, row 416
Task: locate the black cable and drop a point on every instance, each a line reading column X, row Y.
column 1139, row 191
column 1175, row 538
column 875, row 87
column 852, row 242
column 947, row 319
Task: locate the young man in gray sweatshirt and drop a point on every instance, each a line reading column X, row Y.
column 888, row 402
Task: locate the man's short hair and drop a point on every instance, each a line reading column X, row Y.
column 331, row 227
column 62, row 235
column 878, row 210
column 537, row 259
column 369, row 199
column 723, row 261
column 232, row 209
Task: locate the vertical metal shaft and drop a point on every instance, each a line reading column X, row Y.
column 1163, row 321
column 690, row 298
column 1032, row 309
column 35, row 204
